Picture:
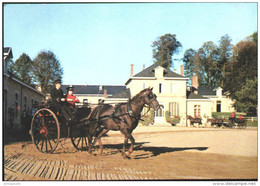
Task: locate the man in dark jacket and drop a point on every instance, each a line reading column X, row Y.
column 58, row 99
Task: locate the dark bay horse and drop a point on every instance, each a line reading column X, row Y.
column 194, row 120
column 216, row 122
column 123, row 117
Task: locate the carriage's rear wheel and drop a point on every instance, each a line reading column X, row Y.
column 45, row 130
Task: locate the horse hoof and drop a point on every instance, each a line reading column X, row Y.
column 126, row 157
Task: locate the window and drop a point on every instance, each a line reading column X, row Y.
column 174, row 109
column 25, row 102
column 16, row 97
column 172, row 88
column 218, row 106
column 159, row 112
column 16, row 104
column 160, row 88
column 197, row 111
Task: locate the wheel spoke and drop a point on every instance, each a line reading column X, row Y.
column 49, row 143
column 78, row 142
column 82, row 143
column 86, row 141
column 42, row 144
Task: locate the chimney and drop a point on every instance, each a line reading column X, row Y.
column 182, row 70
column 195, row 83
column 105, row 93
column 143, row 66
column 132, row 70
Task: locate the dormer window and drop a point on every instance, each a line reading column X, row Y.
column 159, row 72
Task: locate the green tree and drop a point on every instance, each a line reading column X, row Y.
column 46, row 69
column 164, row 48
column 189, row 62
column 23, row 68
column 255, row 38
column 208, row 59
column 225, row 53
column 247, row 97
column 242, row 74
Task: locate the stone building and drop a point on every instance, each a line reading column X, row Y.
column 176, row 97
column 18, row 97
column 173, row 94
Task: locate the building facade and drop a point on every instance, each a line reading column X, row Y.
column 18, row 97
column 173, row 94
column 176, row 97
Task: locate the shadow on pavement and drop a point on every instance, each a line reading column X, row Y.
column 152, row 151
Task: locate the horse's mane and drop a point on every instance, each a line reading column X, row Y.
column 137, row 97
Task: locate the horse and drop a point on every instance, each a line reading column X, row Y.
column 239, row 123
column 216, row 122
column 194, row 120
column 123, row 117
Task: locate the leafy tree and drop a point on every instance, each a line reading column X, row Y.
column 242, row 74
column 23, row 68
column 225, row 52
column 255, row 38
column 208, row 58
column 46, row 69
column 209, row 62
column 189, row 62
column 247, row 96
column 243, row 65
column 164, row 48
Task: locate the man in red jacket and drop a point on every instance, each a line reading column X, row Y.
column 71, row 99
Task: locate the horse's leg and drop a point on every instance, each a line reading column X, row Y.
column 124, row 146
column 128, row 135
column 104, row 131
column 89, row 144
column 132, row 145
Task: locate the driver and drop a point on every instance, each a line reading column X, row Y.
column 58, row 99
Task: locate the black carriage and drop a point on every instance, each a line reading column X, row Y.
column 237, row 122
column 48, row 127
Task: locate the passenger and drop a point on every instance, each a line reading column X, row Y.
column 240, row 117
column 58, row 99
column 71, row 99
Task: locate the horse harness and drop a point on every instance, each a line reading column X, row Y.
column 116, row 117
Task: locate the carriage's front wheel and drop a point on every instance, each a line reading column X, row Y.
column 78, row 135
column 45, row 130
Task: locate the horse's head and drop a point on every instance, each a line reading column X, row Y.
column 150, row 98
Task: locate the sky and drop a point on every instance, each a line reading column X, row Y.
column 97, row 43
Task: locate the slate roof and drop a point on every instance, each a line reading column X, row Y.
column 207, row 91
column 191, row 95
column 99, row 89
column 123, row 94
column 149, row 72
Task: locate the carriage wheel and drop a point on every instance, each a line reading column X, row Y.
column 45, row 130
column 81, row 136
column 78, row 135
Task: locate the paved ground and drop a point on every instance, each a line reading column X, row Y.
column 160, row 153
